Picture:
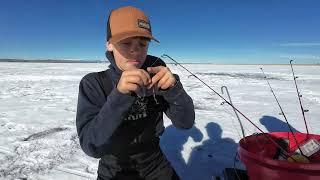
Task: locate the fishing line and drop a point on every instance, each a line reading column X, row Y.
column 282, row 112
column 269, row 138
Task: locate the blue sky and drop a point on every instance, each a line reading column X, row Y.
column 269, row 31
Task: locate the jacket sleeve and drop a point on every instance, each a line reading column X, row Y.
column 181, row 109
column 98, row 118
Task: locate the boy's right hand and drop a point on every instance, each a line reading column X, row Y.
column 132, row 80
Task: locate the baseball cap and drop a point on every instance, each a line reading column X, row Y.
column 128, row 22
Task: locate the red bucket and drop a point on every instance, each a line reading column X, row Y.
column 258, row 153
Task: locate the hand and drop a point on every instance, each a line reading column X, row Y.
column 132, row 80
column 163, row 77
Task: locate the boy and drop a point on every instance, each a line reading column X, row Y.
column 120, row 110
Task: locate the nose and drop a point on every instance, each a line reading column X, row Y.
column 135, row 48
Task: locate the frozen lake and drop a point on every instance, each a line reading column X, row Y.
column 38, row 138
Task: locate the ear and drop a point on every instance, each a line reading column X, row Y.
column 109, row 46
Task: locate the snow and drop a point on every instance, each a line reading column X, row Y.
column 38, row 138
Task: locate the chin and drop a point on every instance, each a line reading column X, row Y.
column 132, row 67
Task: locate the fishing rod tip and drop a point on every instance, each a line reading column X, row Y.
column 164, row 55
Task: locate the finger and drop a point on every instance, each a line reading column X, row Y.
column 132, row 87
column 134, row 79
column 163, row 81
column 154, row 70
column 154, row 86
column 158, row 76
column 168, row 84
column 126, row 87
column 145, row 77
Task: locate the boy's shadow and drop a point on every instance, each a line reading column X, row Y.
column 172, row 144
column 213, row 156
column 273, row 124
column 204, row 161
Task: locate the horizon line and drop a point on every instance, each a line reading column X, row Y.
column 104, row 61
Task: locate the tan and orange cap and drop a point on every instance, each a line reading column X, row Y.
column 128, row 22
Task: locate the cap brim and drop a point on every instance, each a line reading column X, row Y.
column 120, row 37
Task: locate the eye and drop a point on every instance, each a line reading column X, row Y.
column 126, row 43
column 143, row 44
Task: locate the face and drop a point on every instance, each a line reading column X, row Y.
column 130, row 53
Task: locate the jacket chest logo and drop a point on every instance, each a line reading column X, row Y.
column 138, row 110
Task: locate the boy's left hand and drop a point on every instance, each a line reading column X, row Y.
column 163, row 77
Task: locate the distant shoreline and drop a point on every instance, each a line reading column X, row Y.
column 50, row 61
column 98, row 61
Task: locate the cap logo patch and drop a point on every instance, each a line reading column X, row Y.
column 144, row 24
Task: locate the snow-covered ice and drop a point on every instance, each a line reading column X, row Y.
column 38, row 138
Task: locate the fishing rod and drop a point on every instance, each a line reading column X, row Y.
column 282, row 112
column 269, row 138
column 299, row 97
column 241, row 126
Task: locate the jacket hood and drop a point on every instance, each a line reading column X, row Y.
column 113, row 64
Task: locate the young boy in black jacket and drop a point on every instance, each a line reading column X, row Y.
column 120, row 110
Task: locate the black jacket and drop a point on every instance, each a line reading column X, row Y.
column 112, row 124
